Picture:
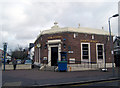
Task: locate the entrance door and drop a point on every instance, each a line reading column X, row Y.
column 54, row 56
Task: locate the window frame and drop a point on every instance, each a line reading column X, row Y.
column 100, row 60
column 89, row 56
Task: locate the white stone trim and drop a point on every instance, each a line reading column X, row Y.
column 59, row 50
column 100, row 61
column 49, row 49
column 36, row 55
column 39, row 56
column 88, row 52
column 49, row 55
column 78, row 30
column 53, row 41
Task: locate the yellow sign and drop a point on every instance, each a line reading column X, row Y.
column 54, row 37
column 35, row 46
column 89, row 41
column 38, row 45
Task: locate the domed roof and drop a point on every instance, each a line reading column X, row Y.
column 57, row 29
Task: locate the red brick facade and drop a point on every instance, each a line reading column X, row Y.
column 73, row 44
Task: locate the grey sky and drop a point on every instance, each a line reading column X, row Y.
column 22, row 20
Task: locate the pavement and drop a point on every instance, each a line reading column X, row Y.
column 19, row 66
column 0, row 75
column 35, row 77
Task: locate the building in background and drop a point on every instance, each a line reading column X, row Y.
column 1, row 53
column 119, row 18
column 117, row 51
column 117, row 42
column 81, row 44
column 31, row 51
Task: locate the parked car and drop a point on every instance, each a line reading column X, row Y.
column 18, row 61
column 28, row 61
column 5, row 60
column 22, row 61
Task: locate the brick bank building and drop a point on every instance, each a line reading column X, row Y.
column 81, row 45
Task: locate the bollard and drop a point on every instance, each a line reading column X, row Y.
column 70, row 68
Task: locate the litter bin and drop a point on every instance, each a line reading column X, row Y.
column 62, row 65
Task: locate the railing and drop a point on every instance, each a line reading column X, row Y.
column 89, row 64
column 83, row 64
column 55, row 66
column 45, row 65
column 86, row 64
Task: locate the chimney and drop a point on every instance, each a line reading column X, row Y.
column 55, row 25
column 102, row 28
column 79, row 25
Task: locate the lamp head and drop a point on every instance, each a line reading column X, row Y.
column 116, row 15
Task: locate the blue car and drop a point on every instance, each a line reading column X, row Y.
column 28, row 61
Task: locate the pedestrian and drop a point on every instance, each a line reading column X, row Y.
column 32, row 64
column 8, row 61
column 14, row 63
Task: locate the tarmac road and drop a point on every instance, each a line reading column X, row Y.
column 109, row 83
column 35, row 77
column 104, row 83
column 0, row 74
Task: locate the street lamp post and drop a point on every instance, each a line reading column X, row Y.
column 5, row 49
column 116, row 15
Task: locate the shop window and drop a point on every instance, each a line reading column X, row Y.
column 118, row 43
column 100, row 51
column 85, row 51
column 75, row 35
column 108, row 38
column 93, row 37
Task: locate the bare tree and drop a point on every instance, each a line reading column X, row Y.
column 20, row 53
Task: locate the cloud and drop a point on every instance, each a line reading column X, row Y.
column 22, row 20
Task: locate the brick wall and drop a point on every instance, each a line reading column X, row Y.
column 74, row 44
